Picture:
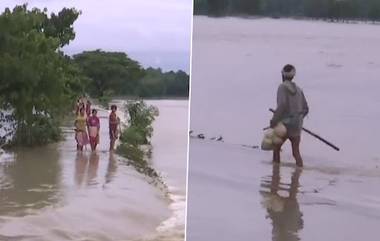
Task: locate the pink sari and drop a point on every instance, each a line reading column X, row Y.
column 81, row 138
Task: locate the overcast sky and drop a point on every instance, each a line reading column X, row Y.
column 154, row 32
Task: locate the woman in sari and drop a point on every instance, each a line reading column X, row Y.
column 93, row 124
column 80, row 130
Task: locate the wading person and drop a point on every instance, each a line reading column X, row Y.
column 93, row 129
column 79, row 105
column 80, row 130
column 113, row 126
column 291, row 109
column 88, row 108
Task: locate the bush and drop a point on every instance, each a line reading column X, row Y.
column 134, row 136
column 138, row 134
column 131, row 152
column 140, row 128
column 41, row 131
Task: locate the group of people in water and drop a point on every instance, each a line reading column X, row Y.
column 87, row 125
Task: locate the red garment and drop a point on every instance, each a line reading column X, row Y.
column 113, row 123
column 93, row 121
column 94, row 140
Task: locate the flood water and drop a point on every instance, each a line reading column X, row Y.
column 235, row 192
column 55, row 193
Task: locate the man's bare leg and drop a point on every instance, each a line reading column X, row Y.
column 276, row 153
column 112, row 144
column 296, row 149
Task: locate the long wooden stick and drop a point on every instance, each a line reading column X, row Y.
column 316, row 136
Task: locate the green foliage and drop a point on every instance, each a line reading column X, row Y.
column 61, row 25
column 43, row 130
column 140, row 128
column 106, row 98
column 37, row 82
column 132, row 153
column 114, row 73
column 109, row 72
column 134, row 136
column 170, row 84
column 135, row 140
column 217, row 7
column 325, row 9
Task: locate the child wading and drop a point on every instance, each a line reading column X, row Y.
column 93, row 129
column 113, row 126
column 80, row 130
column 291, row 109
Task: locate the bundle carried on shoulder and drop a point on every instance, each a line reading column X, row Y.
column 273, row 136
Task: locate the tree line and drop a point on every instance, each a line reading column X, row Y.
column 39, row 83
column 319, row 9
column 115, row 73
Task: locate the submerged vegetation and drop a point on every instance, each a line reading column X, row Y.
column 139, row 131
column 321, row 9
column 135, row 139
column 39, row 83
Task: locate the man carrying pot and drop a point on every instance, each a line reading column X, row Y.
column 291, row 109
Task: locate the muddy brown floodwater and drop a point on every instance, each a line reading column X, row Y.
column 235, row 193
column 54, row 193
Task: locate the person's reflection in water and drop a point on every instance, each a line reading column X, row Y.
column 111, row 169
column 80, row 168
column 284, row 211
column 93, row 169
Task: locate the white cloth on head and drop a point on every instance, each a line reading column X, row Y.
column 289, row 74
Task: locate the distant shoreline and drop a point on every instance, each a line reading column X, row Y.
column 255, row 17
column 152, row 98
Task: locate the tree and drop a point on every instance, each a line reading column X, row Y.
column 157, row 84
column 179, row 85
column 217, row 7
column 61, row 25
column 246, row 6
column 109, row 72
column 36, row 80
column 200, row 7
column 374, row 11
column 325, row 9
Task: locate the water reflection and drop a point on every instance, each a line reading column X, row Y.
column 280, row 201
column 80, row 168
column 93, row 169
column 111, row 168
column 86, row 169
column 30, row 180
